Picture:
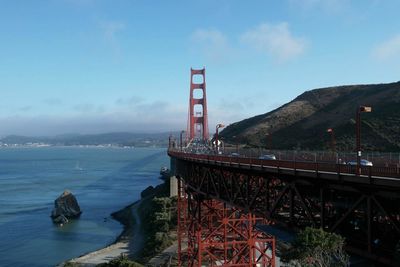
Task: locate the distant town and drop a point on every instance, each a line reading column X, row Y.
column 49, row 145
column 122, row 140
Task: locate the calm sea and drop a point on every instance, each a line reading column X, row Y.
column 103, row 180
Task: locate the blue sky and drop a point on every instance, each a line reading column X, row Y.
column 90, row 66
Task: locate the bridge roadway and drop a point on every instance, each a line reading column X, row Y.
column 364, row 208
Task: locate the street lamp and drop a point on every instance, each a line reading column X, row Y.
column 360, row 109
column 181, row 139
column 236, row 143
column 219, row 125
column 169, row 141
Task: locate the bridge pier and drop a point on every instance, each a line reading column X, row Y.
column 213, row 233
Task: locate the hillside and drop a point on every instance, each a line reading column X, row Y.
column 302, row 123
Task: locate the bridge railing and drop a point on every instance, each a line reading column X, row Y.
column 381, row 159
column 297, row 160
column 377, row 158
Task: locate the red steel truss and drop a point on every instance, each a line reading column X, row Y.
column 365, row 210
column 212, row 233
column 198, row 121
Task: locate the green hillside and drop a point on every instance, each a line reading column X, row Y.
column 302, row 123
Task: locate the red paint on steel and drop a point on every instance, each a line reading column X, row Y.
column 212, row 233
column 295, row 194
column 198, row 121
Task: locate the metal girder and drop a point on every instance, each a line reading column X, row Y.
column 297, row 202
column 212, row 233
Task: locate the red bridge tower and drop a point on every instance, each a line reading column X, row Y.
column 211, row 232
column 198, row 120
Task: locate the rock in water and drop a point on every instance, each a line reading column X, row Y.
column 66, row 207
column 60, row 220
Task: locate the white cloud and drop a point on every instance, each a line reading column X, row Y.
column 130, row 101
column 110, row 30
column 226, row 111
column 212, row 43
column 90, row 118
column 25, row 108
column 387, row 50
column 88, row 108
column 275, row 40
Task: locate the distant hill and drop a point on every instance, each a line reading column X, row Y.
column 302, row 123
column 118, row 139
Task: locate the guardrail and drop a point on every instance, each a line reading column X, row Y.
column 384, row 159
column 390, row 171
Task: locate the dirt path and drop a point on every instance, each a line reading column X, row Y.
column 165, row 256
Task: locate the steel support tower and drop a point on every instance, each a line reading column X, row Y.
column 198, row 120
column 212, row 233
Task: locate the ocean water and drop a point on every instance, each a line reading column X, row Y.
column 103, row 180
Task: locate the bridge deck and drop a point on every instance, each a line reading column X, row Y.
column 363, row 208
column 369, row 175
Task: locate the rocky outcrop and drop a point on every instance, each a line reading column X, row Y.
column 65, row 207
column 165, row 173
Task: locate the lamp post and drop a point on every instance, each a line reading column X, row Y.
column 236, row 143
column 219, row 125
column 169, row 141
column 181, row 139
column 360, row 109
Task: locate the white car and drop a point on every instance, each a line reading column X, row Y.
column 234, row 154
column 363, row 162
column 268, row 156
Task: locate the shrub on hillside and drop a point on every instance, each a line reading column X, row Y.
column 70, row 264
column 121, row 261
column 160, row 216
column 315, row 247
column 146, row 192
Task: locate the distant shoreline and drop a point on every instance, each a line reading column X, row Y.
column 112, row 139
column 79, row 146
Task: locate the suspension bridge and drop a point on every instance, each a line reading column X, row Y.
column 227, row 195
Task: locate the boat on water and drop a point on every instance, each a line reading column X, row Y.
column 78, row 167
column 165, row 173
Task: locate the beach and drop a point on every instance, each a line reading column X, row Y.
column 139, row 224
column 106, row 180
column 128, row 243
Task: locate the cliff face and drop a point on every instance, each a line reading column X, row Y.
column 302, row 123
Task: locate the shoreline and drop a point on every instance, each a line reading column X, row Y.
column 125, row 217
column 129, row 242
column 138, row 241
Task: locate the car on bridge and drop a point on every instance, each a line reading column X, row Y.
column 363, row 162
column 234, row 154
column 267, row 156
